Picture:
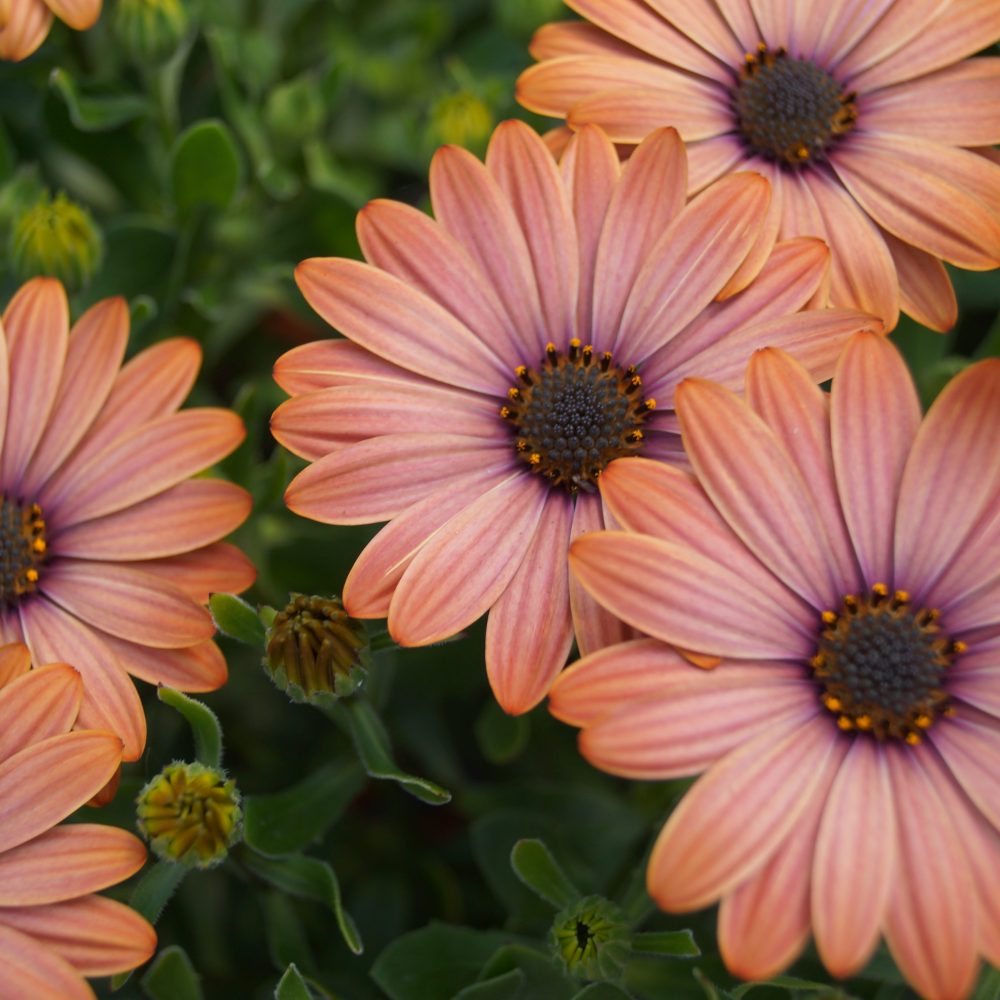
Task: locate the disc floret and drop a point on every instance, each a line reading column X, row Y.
column 23, row 548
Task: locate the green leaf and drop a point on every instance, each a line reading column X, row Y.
column 372, row 744
column 287, row 821
column 172, row 977
column 204, row 726
column 434, row 963
column 501, row 737
column 988, row 987
column 308, row 878
column 286, row 937
column 543, row 974
column 237, row 619
column 96, row 114
column 601, row 991
column 292, row 986
column 506, row 986
column 206, row 167
column 711, row 991
column 675, row 944
column 786, row 983
column 535, row 866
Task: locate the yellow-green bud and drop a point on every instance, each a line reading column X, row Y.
column 151, row 30
column 461, row 119
column 316, row 651
column 593, row 939
column 57, row 238
column 190, row 813
column 294, row 111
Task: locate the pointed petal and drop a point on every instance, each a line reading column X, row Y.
column 70, row 767
column 36, row 322
column 846, row 24
column 26, row 28
column 191, row 668
column 529, row 631
column 378, row 479
column 32, row 970
column 15, row 661
column 110, row 700
column 701, row 21
column 96, row 936
column 971, row 749
column 925, row 290
column 482, row 546
column 78, row 14
column 93, row 358
column 949, row 448
column 855, row 856
column 571, row 38
column 219, row 568
column 709, row 159
column 764, row 500
column 738, row 813
column 66, row 862
column 187, row 516
column 37, row 705
column 682, row 597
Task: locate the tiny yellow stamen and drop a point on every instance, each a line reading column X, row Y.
column 832, row 702
column 844, row 724
column 829, row 617
column 914, row 739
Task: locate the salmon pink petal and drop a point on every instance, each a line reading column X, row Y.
column 653, row 498
column 93, row 357
column 649, row 196
column 36, row 322
column 68, row 861
column 15, row 660
column 739, row 812
column 218, row 568
column 110, row 700
column 971, row 749
column 844, row 26
column 411, row 246
column 685, row 598
column 378, row 479
column 789, row 279
column 469, row 204
column 571, row 38
column 187, row 516
column 709, row 159
column 37, row 705
column 590, row 170
column 192, row 668
column 96, row 936
column 388, row 317
column 314, row 424
column 375, row 573
column 950, row 448
column 640, row 27
column 692, row 261
column 764, row 922
column 690, row 725
column 154, row 457
column 482, row 546
column 527, row 174
column 593, row 626
column 128, row 602
column 765, row 502
column 855, row 856
column 927, row 194
column 929, row 925
column 925, row 290
column 32, row 970
column 70, row 768
column 785, row 396
column 959, row 106
column 529, row 631
column 701, row 21
column 975, row 610
column 875, row 413
column 26, row 29
column 975, row 676
column 78, row 14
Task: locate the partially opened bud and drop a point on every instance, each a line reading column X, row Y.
column 56, row 238
column 315, row 651
column 593, row 939
column 190, row 814
column 151, row 30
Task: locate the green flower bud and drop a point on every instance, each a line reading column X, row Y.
column 593, row 939
column 461, row 119
column 295, row 111
column 190, row 814
column 315, row 651
column 151, row 30
column 58, row 238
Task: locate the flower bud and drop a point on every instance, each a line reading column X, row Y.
column 593, row 939
column 295, row 111
column 57, row 238
column 461, row 119
column 151, row 30
column 315, row 651
column 190, row 814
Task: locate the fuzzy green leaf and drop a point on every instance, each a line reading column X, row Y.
column 206, row 167
column 171, row 976
column 237, row 619
column 535, row 866
column 96, row 114
column 292, row 986
column 204, row 726
column 674, row 944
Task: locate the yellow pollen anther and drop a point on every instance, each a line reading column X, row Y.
column 923, row 722
column 903, row 596
column 505, row 412
column 880, row 590
column 914, row 739
column 38, row 545
column 844, row 724
column 832, row 703
column 521, row 370
column 829, row 617
column 514, row 393
column 32, row 575
column 534, row 458
column 959, row 647
column 863, row 722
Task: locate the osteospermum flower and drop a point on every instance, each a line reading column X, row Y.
column 842, row 559
column 501, row 356
column 107, row 551
column 25, row 24
column 54, row 930
column 863, row 115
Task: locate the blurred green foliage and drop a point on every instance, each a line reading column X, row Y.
column 212, row 165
